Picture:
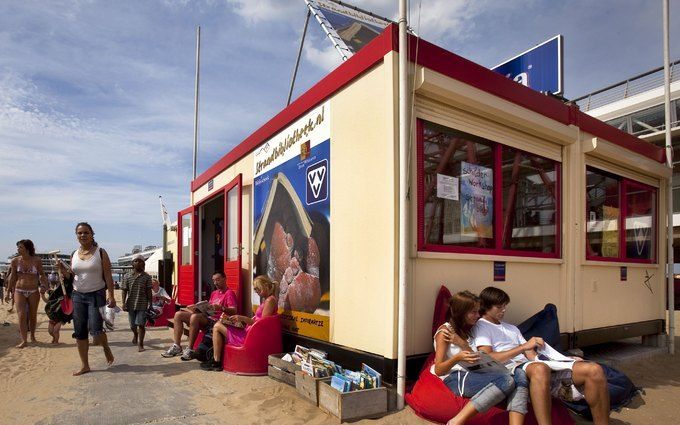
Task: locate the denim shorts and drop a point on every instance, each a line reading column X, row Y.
column 86, row 315
column 137, row 317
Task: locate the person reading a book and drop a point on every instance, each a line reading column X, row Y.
column 466, row 373
column 505, row 343
column 201, row 316
column 233, row 329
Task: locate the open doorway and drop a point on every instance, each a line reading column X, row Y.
column 211, row 252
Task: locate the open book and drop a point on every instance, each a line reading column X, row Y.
column 231, row 322
column 202, row 307
column 485, row 364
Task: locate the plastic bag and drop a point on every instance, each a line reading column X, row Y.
column 109, row 316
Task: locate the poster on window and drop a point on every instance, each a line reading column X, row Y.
column 476, row 200
column 610, row 231
column 291, row 208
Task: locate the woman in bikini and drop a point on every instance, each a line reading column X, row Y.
column 92, row 280
column 25, row 280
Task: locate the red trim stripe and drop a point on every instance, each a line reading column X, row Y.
column 446, row 63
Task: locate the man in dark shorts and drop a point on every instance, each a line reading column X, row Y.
column 136, row 289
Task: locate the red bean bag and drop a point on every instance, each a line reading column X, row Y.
column 433, row 400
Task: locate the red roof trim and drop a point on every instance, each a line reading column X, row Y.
column 461, row 69
column 446, row 63
column 370, row 55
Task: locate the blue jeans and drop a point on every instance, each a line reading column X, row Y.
column 484, row 390
column 137, row 318
column 86, row 313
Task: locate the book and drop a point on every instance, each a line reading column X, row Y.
column 377, row 377
column 232, row 322
column 201, row 307
column 485, row 364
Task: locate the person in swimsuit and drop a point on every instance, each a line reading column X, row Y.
column 92, row 281
column 26, row 278
column 224, row 332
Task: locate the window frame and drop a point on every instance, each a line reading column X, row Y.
column 497, row 248
column 624, row 183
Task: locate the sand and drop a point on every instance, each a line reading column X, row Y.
column 36, row 386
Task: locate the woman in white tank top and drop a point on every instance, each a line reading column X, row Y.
column 91, row 271
column 454, row 348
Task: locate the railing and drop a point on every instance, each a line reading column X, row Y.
column 627, row 88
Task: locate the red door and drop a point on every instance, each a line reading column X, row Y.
column 232, row 238
column 187, row 256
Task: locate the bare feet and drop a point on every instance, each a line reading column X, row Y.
column 82, row 371
column 109, row 355
column 22, row 345
column 33, row 338
column 140, row 348
column 134, row 341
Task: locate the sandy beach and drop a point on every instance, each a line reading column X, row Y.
column 37, row 387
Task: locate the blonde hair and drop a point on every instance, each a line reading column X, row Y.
column 266, row 285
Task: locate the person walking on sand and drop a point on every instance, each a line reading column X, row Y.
column 137, row 298
column 25, row 279
column 91, row 273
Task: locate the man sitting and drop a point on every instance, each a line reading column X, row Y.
column 222, row 300
column 505, row 343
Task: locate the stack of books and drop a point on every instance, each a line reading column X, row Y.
column 348, row 380
column 313, row 362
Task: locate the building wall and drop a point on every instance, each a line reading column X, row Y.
column 363, row 212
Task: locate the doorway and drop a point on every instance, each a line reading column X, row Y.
column 211, row 236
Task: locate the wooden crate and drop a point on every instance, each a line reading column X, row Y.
column 353, row 405
column 282, row 370
column 308, row 386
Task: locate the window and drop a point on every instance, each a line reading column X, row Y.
column 648, row 121
column 478, row 196
column 620, row 123
column 529, row 202
column 615, row 203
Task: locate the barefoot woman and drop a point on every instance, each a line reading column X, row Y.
column 91, row 271
column 26, row 277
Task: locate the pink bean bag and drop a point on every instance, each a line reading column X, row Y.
column 432, row 400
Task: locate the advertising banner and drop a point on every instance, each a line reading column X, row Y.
column 291, row 208
column 350, row 28
column 539, row 68
column 476, row 196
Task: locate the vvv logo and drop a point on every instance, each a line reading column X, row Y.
column 317, row 182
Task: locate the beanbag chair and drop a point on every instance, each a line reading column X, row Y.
column 543, row 324
column 621, row 392
column 432, row 400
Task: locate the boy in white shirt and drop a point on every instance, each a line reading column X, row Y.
column 505, row 343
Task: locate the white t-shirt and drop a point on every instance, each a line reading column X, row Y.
column 157, row 296
column 451, row 351
column 501, row 337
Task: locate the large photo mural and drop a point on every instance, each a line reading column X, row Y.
column 292, row 221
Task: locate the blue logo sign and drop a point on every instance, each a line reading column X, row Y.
column 317, row 183
column 539, row 68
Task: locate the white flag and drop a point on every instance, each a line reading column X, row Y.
column 164, row 212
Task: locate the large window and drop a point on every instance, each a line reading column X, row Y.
column 476, row 195
column 621, row 218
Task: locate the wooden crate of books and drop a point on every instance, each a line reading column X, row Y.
column 308, row 386
column 352, row 405
column 282, row 370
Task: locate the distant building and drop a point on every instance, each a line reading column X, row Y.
column 151, row 256
column 47, row 261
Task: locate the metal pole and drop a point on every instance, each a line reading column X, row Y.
column 297, row 61
column 669, row 186
column 198, row 66
column 403, row 201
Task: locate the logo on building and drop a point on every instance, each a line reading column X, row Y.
column 317, row 182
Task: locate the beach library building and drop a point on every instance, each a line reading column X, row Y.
column 507, row 187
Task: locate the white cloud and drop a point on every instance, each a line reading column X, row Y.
column 325, row 57
column 257, row 11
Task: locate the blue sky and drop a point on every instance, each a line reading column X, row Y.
column 96, row 97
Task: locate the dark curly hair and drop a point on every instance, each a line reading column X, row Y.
column 86, row 224
column 28, row 244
